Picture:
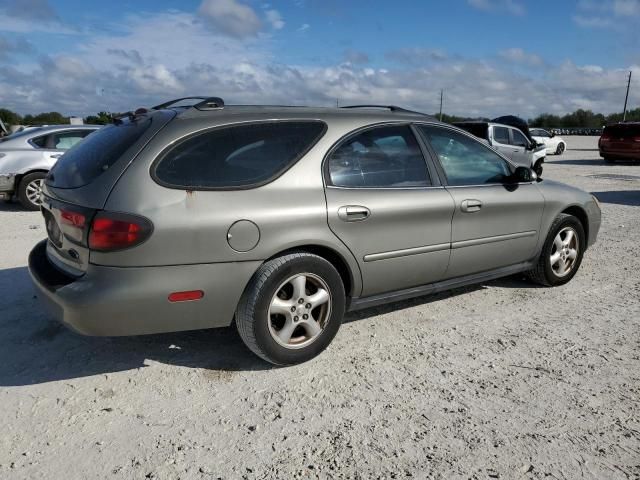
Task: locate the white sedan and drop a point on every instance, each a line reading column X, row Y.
column 554, row 144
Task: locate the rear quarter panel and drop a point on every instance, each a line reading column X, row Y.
column 190, row 227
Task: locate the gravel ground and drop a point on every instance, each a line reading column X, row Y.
column 500, row 380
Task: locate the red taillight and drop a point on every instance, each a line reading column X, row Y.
column 186, row 296
column 75, row 219
column 113, row 231
column 605, row 138
column 72, row 224
column 636, row 139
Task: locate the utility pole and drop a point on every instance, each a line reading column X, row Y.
column 624, row 114
column 441, row 92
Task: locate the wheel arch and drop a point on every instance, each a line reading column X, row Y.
column 349, row 279
column 581, row 214
column 20, row 176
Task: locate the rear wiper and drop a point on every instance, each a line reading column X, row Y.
column 132, row 116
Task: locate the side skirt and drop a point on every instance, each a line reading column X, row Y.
column 359, row 303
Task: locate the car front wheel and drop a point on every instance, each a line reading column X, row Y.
column 291, row 309
column 560, row 148
column 562, row 252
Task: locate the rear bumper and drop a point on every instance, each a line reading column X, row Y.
column 7, row 183
column 112, row 301
column 628, row 154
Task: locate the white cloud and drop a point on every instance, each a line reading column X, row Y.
column 511, row 7
column 275, row 19
column 607, row 14
column 304, row 27
column 518, row 55
column 231, row 17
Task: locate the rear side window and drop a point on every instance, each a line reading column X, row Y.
column 382, row 157
column 88, row 159
column 239, row 156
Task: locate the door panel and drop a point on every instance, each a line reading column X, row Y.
column 520, row 155
column 504, row 231
column 382, row 205
column 405, row 239
column 496, row 222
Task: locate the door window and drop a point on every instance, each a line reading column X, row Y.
column 519, row 140
column 501, row 135
column 466, row 161
column 66, row 140
column 381, row 157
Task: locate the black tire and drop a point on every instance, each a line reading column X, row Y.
column 543, row 273
column 609, row 160
column 560, row 149
column 538, row 167
column 23, row 197
column 252, row 315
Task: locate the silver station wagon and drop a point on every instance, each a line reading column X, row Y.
column 195, row 214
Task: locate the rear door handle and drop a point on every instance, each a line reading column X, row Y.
column 353, row 213
column 470, row 205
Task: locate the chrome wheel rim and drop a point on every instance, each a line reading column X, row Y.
column 33, row 191
column 299, row 310
column 564, row 252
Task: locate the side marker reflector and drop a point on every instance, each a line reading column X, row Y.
column 186, row 296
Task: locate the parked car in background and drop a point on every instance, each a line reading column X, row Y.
column 620, row 141
column 283, row 218
column 553, row 143
column 27, row 156
column 509, row 141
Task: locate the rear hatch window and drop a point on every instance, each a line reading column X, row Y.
column 622, row 131
column 89, row 159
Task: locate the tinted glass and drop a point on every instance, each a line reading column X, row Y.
column 88, row 159
column 40, row 142
column 501, row 135
column 380, row 157
column 466, row 161
column 623, row 130
column 237, row 156
column 519, row 139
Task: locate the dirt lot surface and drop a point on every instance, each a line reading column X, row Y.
column 501, row 380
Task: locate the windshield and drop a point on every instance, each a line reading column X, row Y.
column 87, row 160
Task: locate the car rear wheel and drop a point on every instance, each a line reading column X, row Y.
column 291, row 309
column 562, row 252
column 560, row 149
column 30, row 189
column 609, row 160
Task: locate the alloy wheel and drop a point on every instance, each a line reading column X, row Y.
column 300, row 310
column 33, row 191
column 564, row 252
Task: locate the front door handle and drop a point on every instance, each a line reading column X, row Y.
column 55, row 155
column 353, row 213
column 470, row 206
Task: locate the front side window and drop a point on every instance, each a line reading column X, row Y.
column 238, row 156
column 465, row 161
column 501, row 135
column 519, row 140
column 387, row 156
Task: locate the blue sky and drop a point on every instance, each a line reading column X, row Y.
column 490, row 56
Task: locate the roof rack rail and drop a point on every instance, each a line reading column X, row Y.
column 392, row 108
column 205, row 103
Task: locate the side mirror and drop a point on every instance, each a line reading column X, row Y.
column 524, row 175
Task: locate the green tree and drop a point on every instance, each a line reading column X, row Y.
column 102, row 118
column 9, row 118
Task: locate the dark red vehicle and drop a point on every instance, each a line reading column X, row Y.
column 620, row 141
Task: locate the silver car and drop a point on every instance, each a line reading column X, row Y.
column 27, row 156
column 284, row 218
